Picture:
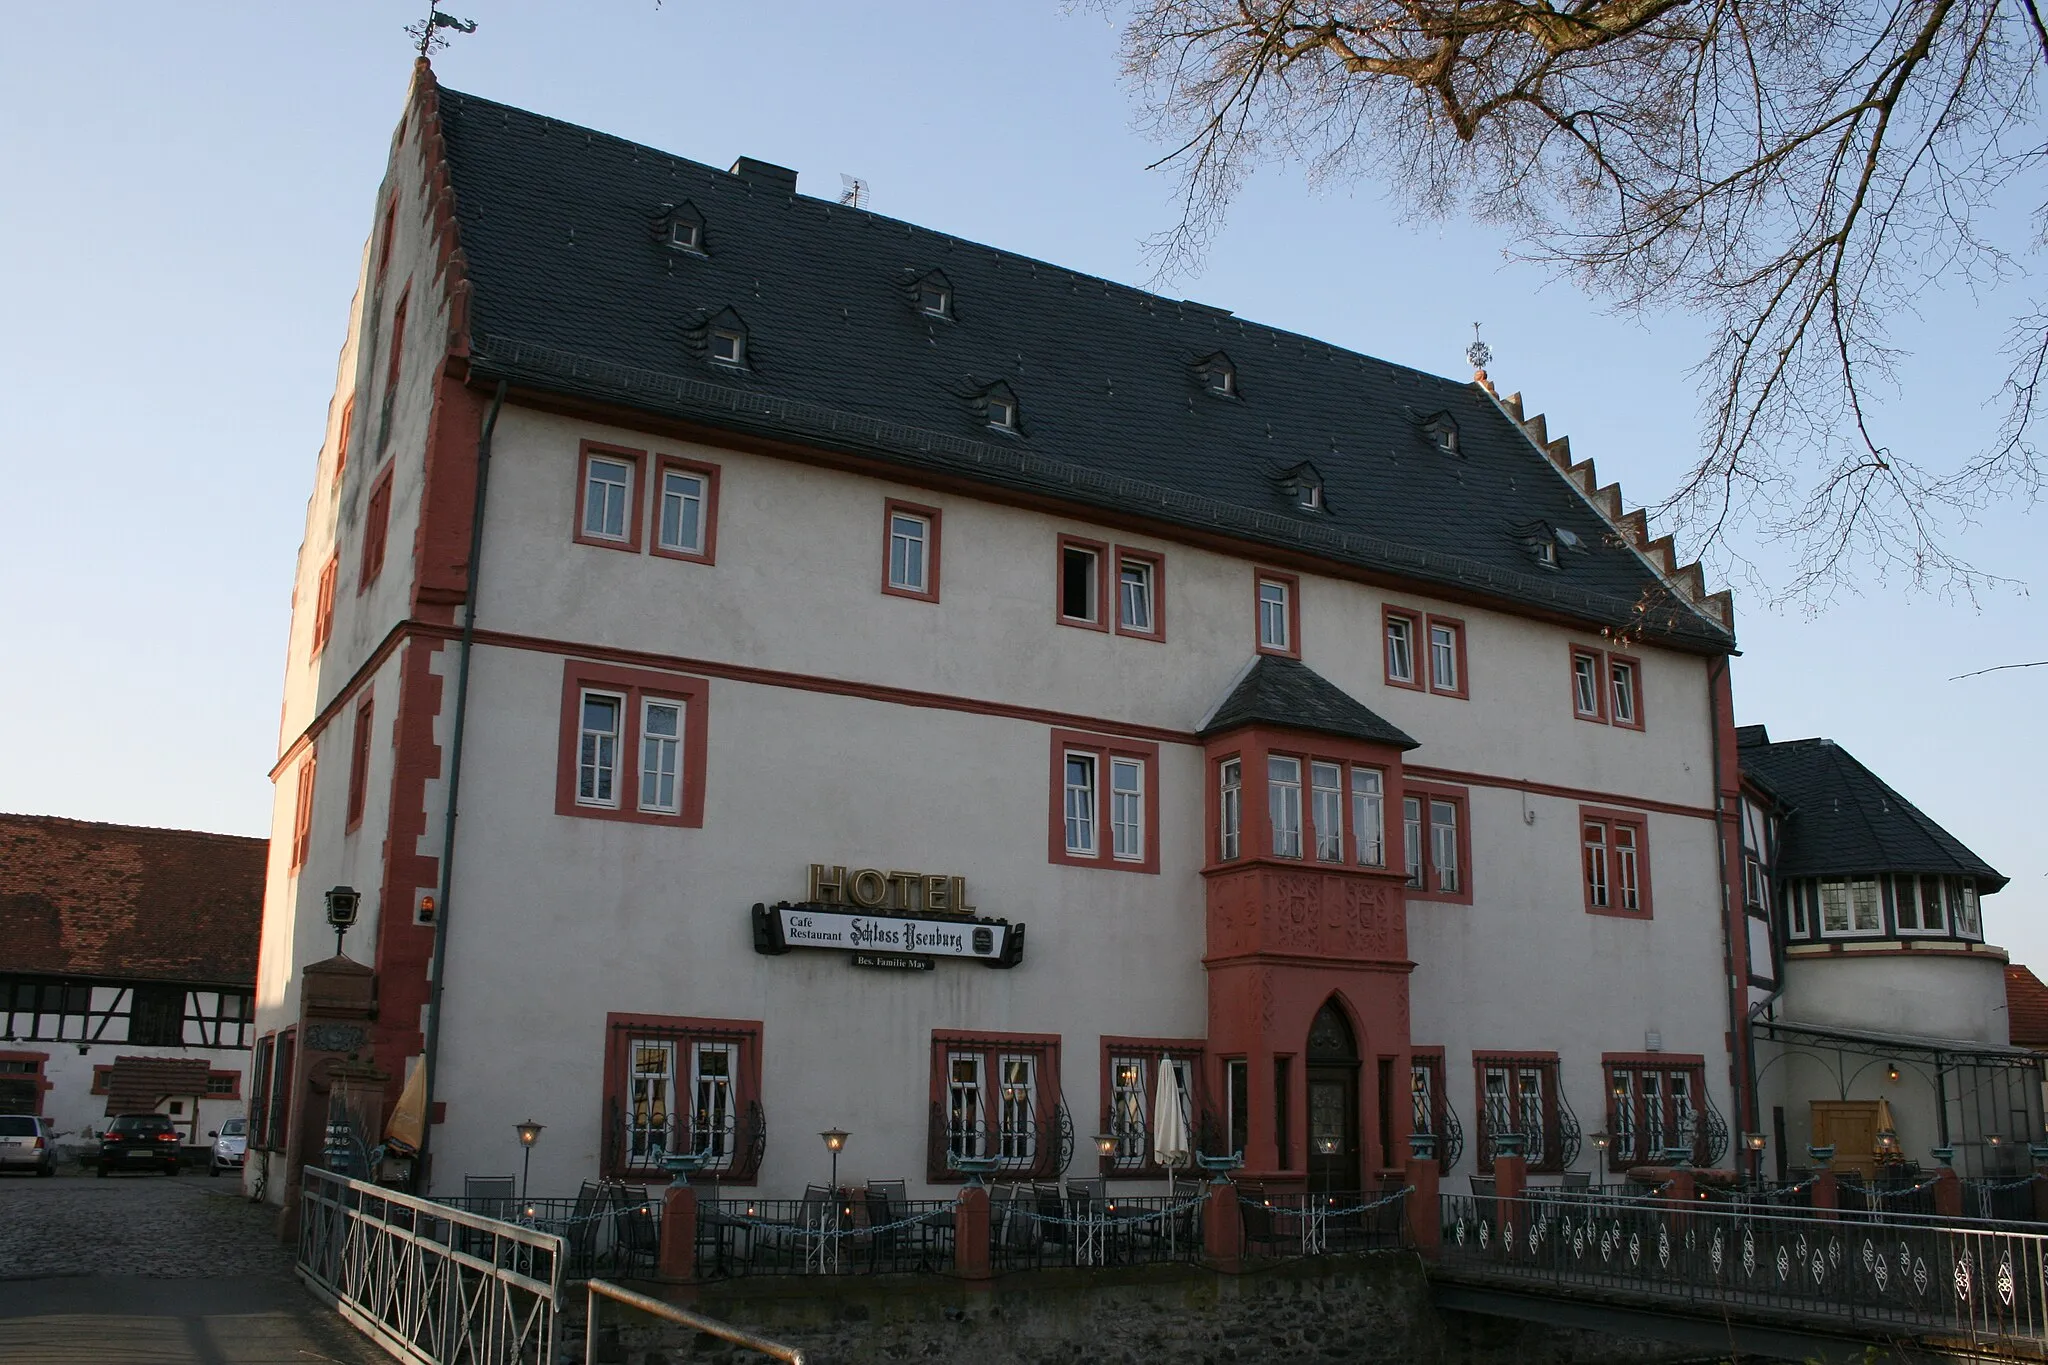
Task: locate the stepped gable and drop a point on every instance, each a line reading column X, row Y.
column 1686, row 583
column 1844, row 819
column 1287, row 692
column 575, row 290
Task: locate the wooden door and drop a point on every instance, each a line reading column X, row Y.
column 1333, row 1162
column 1850, row 1127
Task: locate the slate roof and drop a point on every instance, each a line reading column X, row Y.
column 1281, row 691
column 1844, row 819
column 2026, row 1008
column 576, row 291
column 118, row 901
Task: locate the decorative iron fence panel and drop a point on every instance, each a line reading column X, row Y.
column 430, row 1283
column 1320, row 1224
column 1919, row 1276
column 850, row 1235
column 1032, row 1227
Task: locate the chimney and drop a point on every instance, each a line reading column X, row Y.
column 779, row 179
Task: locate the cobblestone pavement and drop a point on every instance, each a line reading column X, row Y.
column 155, row 1270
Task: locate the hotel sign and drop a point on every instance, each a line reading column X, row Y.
column 876, row 916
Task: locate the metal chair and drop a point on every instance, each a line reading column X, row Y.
column 1482, row 1196
column 490, row 1195
column 635, row 1231
column 1575, row 1180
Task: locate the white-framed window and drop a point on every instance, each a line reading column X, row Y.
column 1134, row 606
column 1598, row 893
column 1080, row 804
column 728, row 346
column 1400, row 649
column 1309, row 497
column 1969, row 921
column 934, row 299
column 909, row 552
column 607, row 495
column 966, row 1105
column 1229, row 806
column 1273, row 616
column 1017, row 1105
column 597, row 761
column 1219, row 378
column 1411, row 839
column 1586, row 685
column 1002, row 413
column 681, row 525
column 714, row 1118
column 661, row 746
column 1623, row 694
column 1443, row 657
column 1127, row 809
column 1628, row 882
column 1850, row 906
column 651, row 1100
column 684, row 233
column 1080, row 566
column 1443, row 844
column 1368, row 815
column 1796, row 908
column 1283, row 804
column 1326, row 808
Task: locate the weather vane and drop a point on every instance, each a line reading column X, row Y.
column 427, row 32
column 1479, row 353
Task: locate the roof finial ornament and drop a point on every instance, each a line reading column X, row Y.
column 1480, row 354
column 427, row 32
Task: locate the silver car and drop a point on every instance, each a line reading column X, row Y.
column 230, row 1147
column 25, row 1144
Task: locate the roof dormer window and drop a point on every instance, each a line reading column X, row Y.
column 1309, row 497
column 728, row 346
column 1303, row 485
column 1218, row 375
column 1442, row 431
column 934, row 299
column 1002, row 412
column 681, row 228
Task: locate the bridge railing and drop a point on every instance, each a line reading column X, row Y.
column 1915, row 1275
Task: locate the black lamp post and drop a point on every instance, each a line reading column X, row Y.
column 342, row 904
column 529, row 1133
column 835, row 1143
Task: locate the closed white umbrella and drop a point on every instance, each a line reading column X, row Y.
column 1170, row 1144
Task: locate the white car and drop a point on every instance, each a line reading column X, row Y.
column 230, row 1147
column 25, row 1142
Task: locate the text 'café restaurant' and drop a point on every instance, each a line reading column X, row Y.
column 1345, row 746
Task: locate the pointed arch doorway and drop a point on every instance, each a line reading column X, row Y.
column 1332, row 1058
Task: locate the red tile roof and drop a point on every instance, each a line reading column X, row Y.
column 2026, row 1007
column 136, row 1085
column 85, row 899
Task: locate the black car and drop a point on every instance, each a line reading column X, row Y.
column 140, row 1141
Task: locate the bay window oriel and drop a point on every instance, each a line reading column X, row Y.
column 1321, row 805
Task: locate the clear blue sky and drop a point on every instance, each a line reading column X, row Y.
column 187, row 190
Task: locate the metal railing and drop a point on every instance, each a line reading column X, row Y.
column 668, row 1312
column 1032, row 1227
column 1325, row 1223
column 1911, row 1275
column 608, row 1229
column 427, row 1282
column 850, row 1235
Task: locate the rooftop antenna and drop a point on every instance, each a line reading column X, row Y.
column 1481, row 355
column 427, row 32
column 853, row 192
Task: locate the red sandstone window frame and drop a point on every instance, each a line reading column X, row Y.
column 636, row 496
column 1427, row 792
column 1100, row 552
column 1103, row 748
column 1156, row 562
column 222, row 1085
column 932, row 518
column 278, row 1127
column 1291, row 583
column 323, row 604
column 385, row 236
column 1609, row 820
column 616, row 1161
column 657, row 494
column 302, row 809
column 1604, row 663
column 1418, row 645
column 1634, row 666
column 635, row 685
column 359, row 762
column 348, row 422
column 41, row 1062
column 1044, row 1050
column 1432, row 622
column 376, row 530
column 259, row 1093
column 394, row 360
column 1613, row 1065
column 1192, row 1051
column 1598, row 659
column 1552, row 1156
column 1430, row 1058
